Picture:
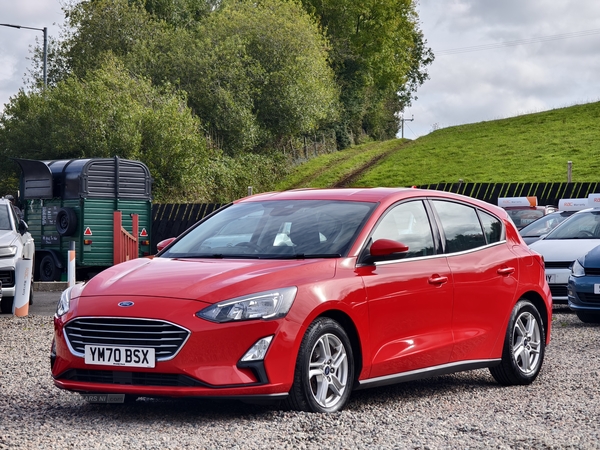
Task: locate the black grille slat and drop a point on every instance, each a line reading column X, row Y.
column 558, row 264
column 7, row 277
column 588, row 298
column 558, row 290
column 164, row 337
column 129, row 378
column 592, row 271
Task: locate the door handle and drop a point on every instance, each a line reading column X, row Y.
column 506, row 270
column 437, row 279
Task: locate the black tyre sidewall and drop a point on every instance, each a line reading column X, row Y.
column 47, row 260
column 70, row 217
column 588, row 317
column 521, row 307
column 6, row 304
column 317, row 329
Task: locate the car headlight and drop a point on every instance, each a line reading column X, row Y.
column 262, row 305
column 64, row 303
column 9, row 251
column 577, row 270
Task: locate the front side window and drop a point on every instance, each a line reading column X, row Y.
column 461, row 226
column 407, row 223
column 276, row 229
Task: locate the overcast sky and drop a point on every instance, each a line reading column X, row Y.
column 537, row 55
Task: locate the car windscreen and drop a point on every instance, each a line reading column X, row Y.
column 4, row 218
column 584, row 225
column 276, row 230
column 544, row 225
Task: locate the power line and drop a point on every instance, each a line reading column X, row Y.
column 534, row 40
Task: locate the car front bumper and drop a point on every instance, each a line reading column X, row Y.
column 581, row 295
column 206, row 365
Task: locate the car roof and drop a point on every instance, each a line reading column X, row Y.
column 383, row 195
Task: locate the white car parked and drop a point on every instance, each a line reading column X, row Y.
column 15, row 243
column 571, row 239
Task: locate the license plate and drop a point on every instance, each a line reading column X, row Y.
column 596, row 288
column 104, row 398
column 551, row 279
column 119, row 356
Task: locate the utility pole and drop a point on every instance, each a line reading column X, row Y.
column 45, row 31
column 405, row 120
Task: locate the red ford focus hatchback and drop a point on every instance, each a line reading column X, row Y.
column 303, row 296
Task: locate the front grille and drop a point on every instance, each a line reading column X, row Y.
column 164, row 337
column 588, row 298
column 592, row 271
column 129, row 378
column 7, row 277
column 558, row 290
column 558, row 264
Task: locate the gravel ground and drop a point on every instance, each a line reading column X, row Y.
column 467, row 410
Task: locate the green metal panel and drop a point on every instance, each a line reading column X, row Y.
column 98, row 218
column 95, row 214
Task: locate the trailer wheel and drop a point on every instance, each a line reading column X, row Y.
column 49, row 271
column 66, row 221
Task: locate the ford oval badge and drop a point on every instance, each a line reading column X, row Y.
column 126, row 304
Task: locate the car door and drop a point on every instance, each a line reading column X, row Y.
column 410, row 299
column 485, row 274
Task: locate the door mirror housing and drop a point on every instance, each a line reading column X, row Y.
column 385, row 250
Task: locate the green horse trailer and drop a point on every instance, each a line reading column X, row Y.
column 101, row 207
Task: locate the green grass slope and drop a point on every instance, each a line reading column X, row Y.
column 529, row 148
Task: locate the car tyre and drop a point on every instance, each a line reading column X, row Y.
column 6, row 305
column 324, row 373
column 49, row 271
column 66, row 221
column 524, row 347
column 588, row 317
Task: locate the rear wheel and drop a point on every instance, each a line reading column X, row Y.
column 49, row 271
column 324, row 369
column 524, row 347
column 588, row 317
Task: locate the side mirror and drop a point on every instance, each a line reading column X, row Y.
column 23, row 228
column 164, row 243
column 385, row 250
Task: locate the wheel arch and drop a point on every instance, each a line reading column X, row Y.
column 542, row 308
column 350, row 328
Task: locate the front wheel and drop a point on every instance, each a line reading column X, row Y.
column 588, row 317
column 324, row 372
column 524, row 347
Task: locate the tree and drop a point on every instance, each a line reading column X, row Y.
column 379, row 56
column 108, row 113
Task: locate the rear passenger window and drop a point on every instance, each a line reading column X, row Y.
column 461, row 226
column 492, row 227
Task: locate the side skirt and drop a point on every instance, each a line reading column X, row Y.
column 418, row 374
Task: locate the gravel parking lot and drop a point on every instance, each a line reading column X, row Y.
column 467, row 410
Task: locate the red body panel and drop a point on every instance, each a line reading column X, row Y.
column 406, row 315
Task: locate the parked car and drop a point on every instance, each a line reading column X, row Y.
column 15, row 243
column 571, row 239
column 584, row 287
column 327, row 292
column 542, row 226
column 538, row 228
column 524, row 210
